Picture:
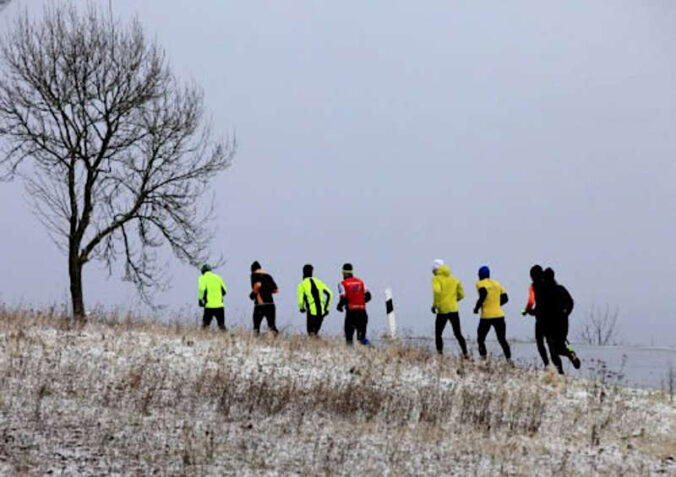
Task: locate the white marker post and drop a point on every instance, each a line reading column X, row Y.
column 389, row 308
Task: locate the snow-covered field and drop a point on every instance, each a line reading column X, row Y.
column 132, row 398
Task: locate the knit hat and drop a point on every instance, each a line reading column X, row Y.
column 484, row 272
column 437, row 263
column 347, row 269
column 307, row 270
column 255, row 266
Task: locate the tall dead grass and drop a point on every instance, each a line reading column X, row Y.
column 120, row 395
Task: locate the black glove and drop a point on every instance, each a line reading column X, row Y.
column 302, row 310
column 476, row 310
column 252, row 295
column 434, row 310
column 200, row 304
column 340, row 307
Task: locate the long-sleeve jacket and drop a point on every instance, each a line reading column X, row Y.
column 314, row 296
column 447, row 290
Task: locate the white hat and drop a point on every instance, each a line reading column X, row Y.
column 437, row 263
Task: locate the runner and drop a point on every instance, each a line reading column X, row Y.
column 354, row 296
column 491, row 298
column 447, row 292
column 314, row 298
column 263, row 286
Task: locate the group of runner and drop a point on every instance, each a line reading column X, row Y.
column 549, row 302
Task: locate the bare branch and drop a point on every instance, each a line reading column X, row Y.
column 113, row 149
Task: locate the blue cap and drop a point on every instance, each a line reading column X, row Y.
column 484, row 272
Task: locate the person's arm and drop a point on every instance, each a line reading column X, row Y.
column 224, row 289
column 342, row 302
column 328, row 294
column 301, row 298
column 436, row 294
column 202, row 293
column 367, row 296
column 483, row 293
column 503, row 296
column 273, row 284
column 568, row 303
column 531, row 302
column 460, row 292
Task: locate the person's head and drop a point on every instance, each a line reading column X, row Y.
column 548, row 275
column 307, row 270
column 348, row 270
column 205, row 268
column 536, row 273
column 484, row 272
column 255, row 266
column 436, row 264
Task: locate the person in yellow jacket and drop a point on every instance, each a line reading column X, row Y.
column 314, row 298
column 447, row 293
column 211, row 293
column 492, row 296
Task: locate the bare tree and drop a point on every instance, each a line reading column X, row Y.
column 113, row 149
column 600, row 326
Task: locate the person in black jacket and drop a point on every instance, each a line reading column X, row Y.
column 554, row 304
column 263, row 286
column 536, row 276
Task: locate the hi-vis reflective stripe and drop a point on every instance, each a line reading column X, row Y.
column 389, row 308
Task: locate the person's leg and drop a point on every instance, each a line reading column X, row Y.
column 360, row 324
column 455, row 323
column 481, row 333
column 257, row 318
column 320, row 320
column 206, row 318
column 311, row 325
column 439, row 326
column 349, row 327
column 220, row 317
column 566, row 348
column 553, row 344
column 271, row 317
column 501, row 331
column 540, row 341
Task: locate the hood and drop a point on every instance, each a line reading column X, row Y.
column 444, row 271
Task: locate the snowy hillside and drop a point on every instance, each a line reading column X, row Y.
column 143, row 398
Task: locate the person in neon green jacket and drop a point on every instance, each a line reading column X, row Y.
column 314, row 298
column 447, row 292
column 211, row 293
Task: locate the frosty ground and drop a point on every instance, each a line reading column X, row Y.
column 140, row 398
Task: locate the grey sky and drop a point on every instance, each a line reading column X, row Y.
column 392, row 133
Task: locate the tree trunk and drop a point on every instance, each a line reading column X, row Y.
column 75, row 274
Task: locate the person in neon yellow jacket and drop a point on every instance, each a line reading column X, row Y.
column 447, row 292
column 211, row 293
column 314, row 298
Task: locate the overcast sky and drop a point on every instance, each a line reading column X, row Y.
column 391, row 133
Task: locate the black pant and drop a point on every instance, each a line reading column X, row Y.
column 268, row 312
column 211, row 313
column 439, row 326
column 540, row 334
column 557, row 340
column 355, row 320
column 314, row 323
column 500, row 330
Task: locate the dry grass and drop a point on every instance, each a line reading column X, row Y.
column 124, row 396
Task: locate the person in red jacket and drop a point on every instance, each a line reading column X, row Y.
column 540, row 330
column 354, row 296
